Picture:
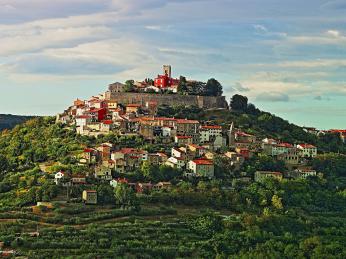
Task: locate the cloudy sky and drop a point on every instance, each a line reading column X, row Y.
column 288, row 57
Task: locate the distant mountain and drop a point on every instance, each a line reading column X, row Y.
column 8, row 121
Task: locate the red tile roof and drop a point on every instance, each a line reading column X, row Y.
column 196, row 146
column 133, row 105
column 203, row 162
column 182, row 121
column 107, row 122
column 307, row 146
column 243, row 134
column 287, row 145
column 165, row 119
column 211, row 127
column 183, row 137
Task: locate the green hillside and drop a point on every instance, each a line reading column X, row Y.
column 219, row 218
column 8, row 121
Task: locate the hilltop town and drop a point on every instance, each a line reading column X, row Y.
column 185, row 145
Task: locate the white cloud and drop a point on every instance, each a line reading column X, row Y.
column 260, row 28
column 7, row 8
column 318, row 63
column 38, row 38
column 272, row 97
column 334, row 33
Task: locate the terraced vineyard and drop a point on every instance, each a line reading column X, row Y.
column 136, row 239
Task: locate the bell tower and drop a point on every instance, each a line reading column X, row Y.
column 167, row 70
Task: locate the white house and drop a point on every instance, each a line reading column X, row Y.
column 167, row 131
column 201, row 167
column 209, row 132
column 60, row 178
column 178, row 152
column 304, row 173
column 307, row 150
column 82, row 120
column 175, row 162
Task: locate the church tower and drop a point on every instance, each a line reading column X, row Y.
column 167, row 70
column 231, row 136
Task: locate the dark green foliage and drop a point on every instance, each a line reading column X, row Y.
column 159, row 173
column 182, row 112
column 207, row 224
column 263, row 163
column 182, row 86
column 213, row 88
column 239, row 103
column 38, row 140
column 125, row 196
column 8, row 121
column 333, row 165
column 129, row 86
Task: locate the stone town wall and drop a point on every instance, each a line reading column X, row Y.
column 206, row 102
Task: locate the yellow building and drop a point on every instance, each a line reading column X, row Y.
column 132, row 108
column 89, row 196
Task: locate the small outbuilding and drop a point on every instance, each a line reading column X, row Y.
column 89, row 197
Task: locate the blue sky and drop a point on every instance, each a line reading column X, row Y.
column 288, row 57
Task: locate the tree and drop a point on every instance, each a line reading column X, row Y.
column 224, row 168
column 251, row 109
column 151, row 173
column 213, row 88
column 207, row 224
column 104, row 194
column 129, row 86
column 239, row 102
column 125, row 196
column 277, row 203
column 182, row 86
column 3, row 163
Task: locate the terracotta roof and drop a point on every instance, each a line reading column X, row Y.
column 288, row 145
column 147, row 119
column 211, row 127
column 196, row 146
column 243, row 134
column 132, row 150
column 122, row 180
column 165, row 119
column 182, row 121
column 97, row 110
column 338, row 131
column 107, row 122
column 306, row 146
column 203, row 162
column 133, row 105
column 183, row 137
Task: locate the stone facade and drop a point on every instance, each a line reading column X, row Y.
column 207, row 102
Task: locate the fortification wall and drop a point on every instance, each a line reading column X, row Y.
column 169, row 99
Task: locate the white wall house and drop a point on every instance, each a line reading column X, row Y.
column 307, row 150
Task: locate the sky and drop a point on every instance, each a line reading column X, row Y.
column 288, row 57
